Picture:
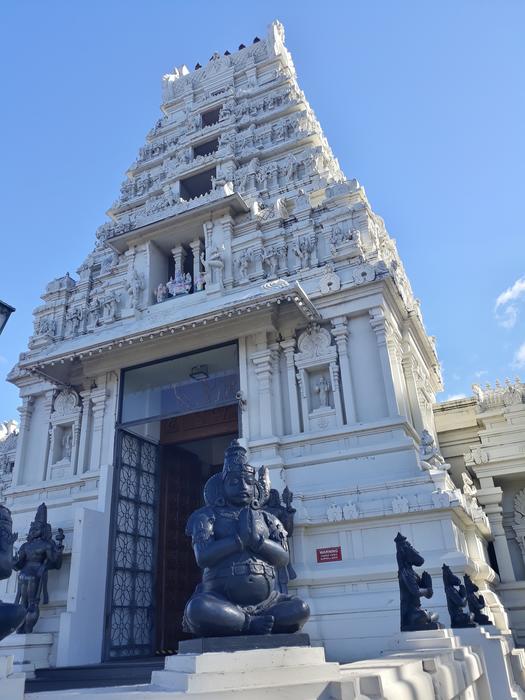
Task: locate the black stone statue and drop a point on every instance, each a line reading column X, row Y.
column 34, row 559
column 476, row 602
column 11, row 614
column 412, row 587
column 240, row 545
column 456, row 599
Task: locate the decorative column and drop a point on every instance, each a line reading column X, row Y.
column 84, row 430
column 227, row 235
column 277, row 405
column 334, row 380
column 25, row 410
column 380, row 326
column 340, row 333
column 48, row 408
column 490, row 497
column 196, row 249
column 409, row 365
column 288, row 347
column 98, row 398
column 262, row 361
column 178, row 256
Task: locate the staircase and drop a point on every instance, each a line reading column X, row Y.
column 110, row 673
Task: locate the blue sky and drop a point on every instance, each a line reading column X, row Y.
column 424, row 103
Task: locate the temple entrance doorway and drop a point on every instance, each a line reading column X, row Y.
column 192, row 450
column 177, row 416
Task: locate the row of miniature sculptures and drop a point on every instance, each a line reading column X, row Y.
column 414, row 586
column 34, row 559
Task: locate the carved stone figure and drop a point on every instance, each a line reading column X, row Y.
column 34, row 559
column 243, row 262
column 334, row 512
column 240, row 545
column 11, row 614
column 134, row 288
column 161, row 293
column 109, row 303
column 270, row 258
column 429, row 453
column 66, row 445
column 303, row 250
column 476, row 602
column 412, row 587
column 456, row 599
column 213, row 267
column 322, row 388
column 73, row 318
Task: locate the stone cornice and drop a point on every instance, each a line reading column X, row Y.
column 228, row 306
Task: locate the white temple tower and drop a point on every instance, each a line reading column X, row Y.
column 243, row 286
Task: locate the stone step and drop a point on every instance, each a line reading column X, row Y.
column 101, row 675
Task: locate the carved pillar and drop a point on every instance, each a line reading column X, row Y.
column 262, row 361
column 380, row 326
column 25, row 410
column 340, row 333
column 490, row 497
column 277, row 405
column 409, row 370
column 196, row 249
column 396, row 355
column 178, row 256
column 227, row 235
column 98, row 398
column 338, row 404
column 288, row 347
column 48, row 408
column 84, row 431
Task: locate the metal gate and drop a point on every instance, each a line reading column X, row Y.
column 130, row 599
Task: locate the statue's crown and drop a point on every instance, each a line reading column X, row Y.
column 399, row 539
column 236, row 460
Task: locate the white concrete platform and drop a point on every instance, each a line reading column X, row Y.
column 421, row 666
column 29, row 651
column 11, row 683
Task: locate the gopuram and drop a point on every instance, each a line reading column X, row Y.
column 242, row 289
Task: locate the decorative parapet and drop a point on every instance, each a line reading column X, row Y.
column 160, row 208
column 508, row 394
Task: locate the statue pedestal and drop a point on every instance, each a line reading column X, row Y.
column 11, row 684
column 297, row 671
column 30, row 651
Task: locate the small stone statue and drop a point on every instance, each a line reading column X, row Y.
column 456, row 599
column 34, row 559
column 476, row 602
column 11, row 614
column 412, row 587
column 322, row 388
column 240, row 545
column 429, row 453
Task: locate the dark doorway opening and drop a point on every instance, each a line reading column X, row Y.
column 192, row 450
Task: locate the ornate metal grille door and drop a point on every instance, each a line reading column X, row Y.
column 130, row 613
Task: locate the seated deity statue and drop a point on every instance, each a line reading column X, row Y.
column 240, row 546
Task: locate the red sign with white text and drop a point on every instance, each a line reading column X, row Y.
column 325, row 554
